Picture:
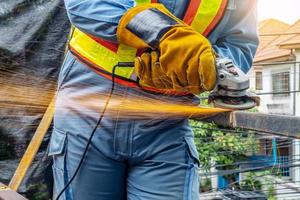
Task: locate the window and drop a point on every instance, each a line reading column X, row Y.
column 258, row 81
column 281, row 84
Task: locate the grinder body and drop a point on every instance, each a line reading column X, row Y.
column 231, row 90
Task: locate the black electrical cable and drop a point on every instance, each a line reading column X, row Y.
column 120, row 64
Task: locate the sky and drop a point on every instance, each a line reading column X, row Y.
column 285, row 10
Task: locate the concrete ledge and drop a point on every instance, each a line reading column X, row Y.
column 283, row 125
column 8, row 194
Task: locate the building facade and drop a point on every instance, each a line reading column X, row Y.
column 276, row 78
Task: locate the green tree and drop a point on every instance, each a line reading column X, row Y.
column 224, row 147
column 221, row 147
column 251, row 182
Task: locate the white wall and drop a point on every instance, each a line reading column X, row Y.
column 297, row 53
column 251, row 75
column 296, row 143
column 267, row 99
column 267, row 71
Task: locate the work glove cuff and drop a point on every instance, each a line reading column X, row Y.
column 144, row 26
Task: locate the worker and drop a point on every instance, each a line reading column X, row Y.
column 173, row 45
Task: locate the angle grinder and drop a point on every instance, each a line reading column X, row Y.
column 231, row 90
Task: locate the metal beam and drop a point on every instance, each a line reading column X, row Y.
column 268, row 123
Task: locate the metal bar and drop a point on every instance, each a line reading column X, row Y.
column 283, row 125
column 268, row 93
column 283, row 92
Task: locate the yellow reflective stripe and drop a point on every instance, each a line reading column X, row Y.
column 206, row 13
column 140, row 2
column 104, row 58
column 100, row 55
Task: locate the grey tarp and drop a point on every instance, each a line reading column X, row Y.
column 33, row 34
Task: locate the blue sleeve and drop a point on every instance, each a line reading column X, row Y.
column 237, row 38
column 98, row 17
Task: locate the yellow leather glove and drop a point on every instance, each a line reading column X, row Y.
column 186, row 59
column 150, row 72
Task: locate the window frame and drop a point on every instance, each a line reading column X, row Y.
column 258, row 80
column 288, row 83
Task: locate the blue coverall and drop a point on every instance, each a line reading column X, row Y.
column 135, row 159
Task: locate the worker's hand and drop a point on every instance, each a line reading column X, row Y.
column 150, row 72
column 186, row 60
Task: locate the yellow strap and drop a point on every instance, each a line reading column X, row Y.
column 101, row 56
column 140, row 2
column 206, row 13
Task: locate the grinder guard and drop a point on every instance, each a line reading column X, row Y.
column 231, row 88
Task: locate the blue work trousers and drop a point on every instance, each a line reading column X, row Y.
column 131, row 156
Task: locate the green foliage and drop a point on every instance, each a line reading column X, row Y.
column 220, row 147
column 223, row 147
column 205, row 184
column 38, row 192
column 260, row 181
column 271, row 193
column 204, row 101
column 250, row 183
column 270, row 183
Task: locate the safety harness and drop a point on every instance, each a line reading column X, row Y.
column 102, row 56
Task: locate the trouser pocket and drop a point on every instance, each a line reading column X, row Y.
column 58, row 151
column 192, row 182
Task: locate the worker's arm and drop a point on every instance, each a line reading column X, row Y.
column 159, row 29
column 237, row 38
column 98, row 17
column 186, row 59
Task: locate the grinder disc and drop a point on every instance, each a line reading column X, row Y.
column 236, row 103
